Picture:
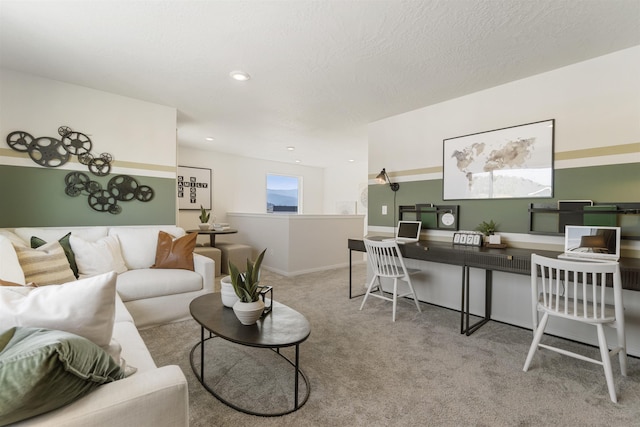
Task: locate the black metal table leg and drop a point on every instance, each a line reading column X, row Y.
column 466, row 327
column 295, row 397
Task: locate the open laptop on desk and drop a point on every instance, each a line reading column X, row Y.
column 407, row 232
column 591, row 243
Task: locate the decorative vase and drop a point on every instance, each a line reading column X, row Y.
column 248, row 313
column 229, row 297
column 204, row 226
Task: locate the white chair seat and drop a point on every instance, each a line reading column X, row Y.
column 386, row 261
column 576, row 291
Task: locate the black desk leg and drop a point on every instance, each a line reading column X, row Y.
column 350, row 267
column 465, row 327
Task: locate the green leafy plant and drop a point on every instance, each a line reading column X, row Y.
column 487, row 228
column 245, row 284
column 204, row 215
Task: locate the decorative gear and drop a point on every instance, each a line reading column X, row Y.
column 49, row 152
column 77, row 143
column 123, row 187
column 99, row 167
column 102, row 201
column 19, row 141
column 144, row 193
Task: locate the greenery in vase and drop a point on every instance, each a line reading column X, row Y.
column 204, row 215
column 487, row 228
column 245, row 284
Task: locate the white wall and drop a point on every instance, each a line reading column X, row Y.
column 595, row 103
column 239, row 183
column 138, row 134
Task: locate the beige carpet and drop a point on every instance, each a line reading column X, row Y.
column 368, row 371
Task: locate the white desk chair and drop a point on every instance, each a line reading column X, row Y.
column 575, row 290
column 386, row 261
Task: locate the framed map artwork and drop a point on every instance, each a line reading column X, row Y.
column 193, row 188
column 513, row 162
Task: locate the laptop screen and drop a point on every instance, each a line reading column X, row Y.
column 592, row 242
column 409, row 230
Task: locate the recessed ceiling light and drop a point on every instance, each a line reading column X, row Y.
column 209, row 138
column 298, row 161
column 351, row 160
column 240, row 76
column 291, row 148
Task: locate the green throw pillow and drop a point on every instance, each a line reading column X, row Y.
column 42, row 370
column 36, row 242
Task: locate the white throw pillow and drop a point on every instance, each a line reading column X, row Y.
column 97, row 257
column 139, row 244
column 83, row 307
column 10, row 269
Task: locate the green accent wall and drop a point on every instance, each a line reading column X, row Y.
column 610, row 183
column 35, row 197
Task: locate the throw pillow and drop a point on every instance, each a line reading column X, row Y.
column 42, row 370
column 10, row 269
column 97, row 257
column 36, row 242
column 175, row 253
column 47, row 265
column 83, row 307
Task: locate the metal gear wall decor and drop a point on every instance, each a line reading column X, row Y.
column 52, row 152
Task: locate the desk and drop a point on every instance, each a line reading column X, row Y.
column 510, row 260
column 212, row 234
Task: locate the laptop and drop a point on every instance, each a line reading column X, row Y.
column 407, row 232
column 591, row 243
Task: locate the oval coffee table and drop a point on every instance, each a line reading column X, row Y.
column 282, row 327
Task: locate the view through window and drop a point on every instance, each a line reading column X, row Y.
column 283, row 194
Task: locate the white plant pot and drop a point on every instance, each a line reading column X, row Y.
column 248, row 313
column 204, row 226
column 229, row 297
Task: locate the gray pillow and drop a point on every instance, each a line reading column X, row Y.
column 42, row 370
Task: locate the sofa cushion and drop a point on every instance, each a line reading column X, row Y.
column 49, row 234
column 46, row 265
column 150, row 283
column 83, row 307
column 139, row 244
column 36, row 242
column 41, row 370
column 98, row 257
column 175, row 252
column 10, row 269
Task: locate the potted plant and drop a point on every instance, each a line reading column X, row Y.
column 204, row 219
column 489, row 230
column 249, row 307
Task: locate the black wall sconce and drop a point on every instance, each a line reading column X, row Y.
column 383, row 178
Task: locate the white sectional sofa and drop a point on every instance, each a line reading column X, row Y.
column 145, row 297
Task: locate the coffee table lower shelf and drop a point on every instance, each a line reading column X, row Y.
column 298, row 403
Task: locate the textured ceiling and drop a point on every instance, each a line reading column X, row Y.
column 321, row 70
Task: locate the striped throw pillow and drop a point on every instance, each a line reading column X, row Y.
column 46, row 265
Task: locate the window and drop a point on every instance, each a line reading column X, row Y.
column 283, row 194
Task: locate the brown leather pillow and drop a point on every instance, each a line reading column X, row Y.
column 175, row 253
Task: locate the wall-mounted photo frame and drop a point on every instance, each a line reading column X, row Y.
column 193, row 188
column 512, row 162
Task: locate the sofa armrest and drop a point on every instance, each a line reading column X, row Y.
column 158, row 397
column 206, row 267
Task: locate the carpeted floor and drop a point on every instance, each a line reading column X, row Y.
column 366, row 370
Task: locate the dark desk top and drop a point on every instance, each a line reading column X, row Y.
column 282, row 327
column 511, row 260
